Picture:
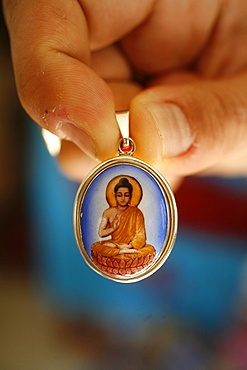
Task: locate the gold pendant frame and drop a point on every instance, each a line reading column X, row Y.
column 80, row 218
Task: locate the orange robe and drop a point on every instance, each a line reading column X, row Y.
column 131, row 229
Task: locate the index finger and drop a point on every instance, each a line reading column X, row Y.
column 50, row 51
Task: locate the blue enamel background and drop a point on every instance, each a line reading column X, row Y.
column 153, row 206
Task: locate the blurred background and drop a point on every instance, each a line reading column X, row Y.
column 56, row 314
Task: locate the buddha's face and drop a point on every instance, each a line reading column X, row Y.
column 123, row 197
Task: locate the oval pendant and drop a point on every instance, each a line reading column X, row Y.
column 125, row 219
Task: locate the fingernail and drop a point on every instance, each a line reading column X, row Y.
column 173, row 128
column 56, row 120
column 68, row 131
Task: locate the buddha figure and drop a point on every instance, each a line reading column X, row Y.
column 125, row 251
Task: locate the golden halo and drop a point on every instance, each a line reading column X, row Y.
column 136, row 194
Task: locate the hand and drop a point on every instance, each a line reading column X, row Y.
column 75, row 63
column 124, row 246
column 127, row 248
column 116, row 223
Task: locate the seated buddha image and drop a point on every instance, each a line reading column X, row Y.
column 125, row 251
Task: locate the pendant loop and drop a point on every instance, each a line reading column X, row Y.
column 126, row 147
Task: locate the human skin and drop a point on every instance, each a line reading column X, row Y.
column 180, row 67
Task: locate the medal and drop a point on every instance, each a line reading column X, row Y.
column 125, row 216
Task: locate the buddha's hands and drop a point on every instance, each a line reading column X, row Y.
column 116, row 222
column 124, row 246
column 127, row 248
column 75, row 62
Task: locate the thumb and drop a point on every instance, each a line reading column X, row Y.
column 193, row 127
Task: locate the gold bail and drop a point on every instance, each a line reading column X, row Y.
column 123, row 124
column 126, row 145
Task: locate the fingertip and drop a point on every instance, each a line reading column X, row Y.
column 75, row 104
column 160, row 128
